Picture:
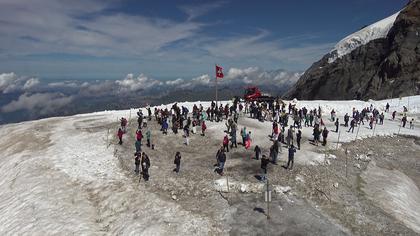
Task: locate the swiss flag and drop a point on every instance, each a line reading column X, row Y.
column 219, row 72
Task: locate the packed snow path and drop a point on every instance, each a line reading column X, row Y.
column 59, row 173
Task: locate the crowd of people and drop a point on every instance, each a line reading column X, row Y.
column 283, row 135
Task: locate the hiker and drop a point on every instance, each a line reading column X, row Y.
column 148, row 136
column 257, row 151
column 298, row 137
column 371, row 122
column 337, row 123
column 387, row 107
column 346, row 120
column 177, row 162
column 145, row 165
column 264, row 165
column 221, row 159
column 140, row 119
column 137, row 157
column 404, row 120
column 352, row 124
column 332, row 115
column 203, row 128
column 123, row 124
column 248, row 140
column 165, row 126
column 137, row 144
column 226, row 143
column 316, row 134
column 120, row 135
column 292, row 151
column 233, row 135
column 274, row 152
column 243, row 135
column 139, row 135
column 393, row 115
column 324, row 136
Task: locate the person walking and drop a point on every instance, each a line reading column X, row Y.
column 257, row 151
column 298, row 138
column 264, row 166
column 120, row 135
column 324, row 136
column 226, row 143
column 145, row 165
column 137, row 157
column 203, row 128
column 177, row 162
column 291, row 156
column 337, row 124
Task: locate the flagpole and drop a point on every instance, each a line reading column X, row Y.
column 216, row 87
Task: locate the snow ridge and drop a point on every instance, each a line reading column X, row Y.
column 377, row 30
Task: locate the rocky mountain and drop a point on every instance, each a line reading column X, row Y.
column 379, row 61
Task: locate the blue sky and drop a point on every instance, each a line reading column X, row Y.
column 93, row 39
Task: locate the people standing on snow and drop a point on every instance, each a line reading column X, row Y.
column 316, row 134
column 352, row 124
column 298, row 138
column 177, row 162
column 165, row 126
column 148, row 137
column 387, row 107
column 145, row 165
column 139, row 135
column 226, row 143
column 264, row 166
column 289, row 137
column 257, row 151
column 203, row 128
column 137, row 157
column 404, row 120
column 291, row 157
column 332, row 115
column 120, row 135
column 346, row 120
column 324, row 136
column 274, row 152
column 137, row 145
column 243, row 135
column 393, row 115
column 221, row 159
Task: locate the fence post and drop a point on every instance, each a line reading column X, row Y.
column 338, row 139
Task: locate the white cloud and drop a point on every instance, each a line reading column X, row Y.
column 202, row 79
column 176, row 82
column 30, row 83
column 10, row 82
column 42, row 103
column 130, row 83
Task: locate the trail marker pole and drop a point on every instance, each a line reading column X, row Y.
column 107, row 135
column 357, row 133
column 338, row 139
column 373, row 134
column 267, row 196
column 346, row 163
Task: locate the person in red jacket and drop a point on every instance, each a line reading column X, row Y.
column 226, row 143
column 120, row 135
column 203, row 128
column 139, row 135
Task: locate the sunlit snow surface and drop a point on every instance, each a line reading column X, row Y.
column 57, row 175
column 377, row 30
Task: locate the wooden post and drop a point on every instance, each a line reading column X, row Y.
column 373, row 134
column 346, row 163
column 338, row 139
column 357, row 133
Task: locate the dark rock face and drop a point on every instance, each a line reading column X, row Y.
column 383, row 68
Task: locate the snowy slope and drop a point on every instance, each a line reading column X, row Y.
column 377, row 30
column 57, row 175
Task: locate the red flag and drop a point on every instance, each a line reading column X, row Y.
column 219, row 72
